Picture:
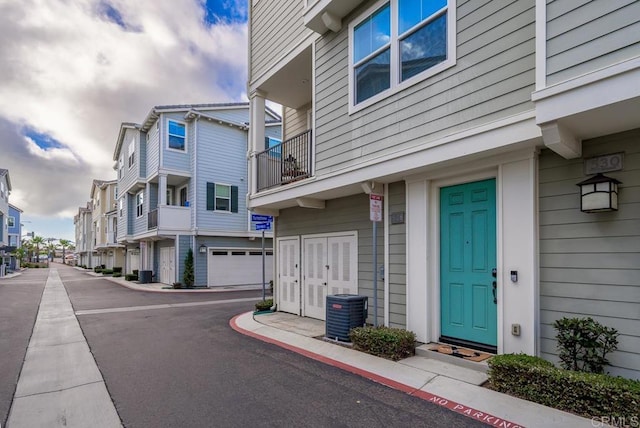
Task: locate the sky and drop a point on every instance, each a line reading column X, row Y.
column 72, row 71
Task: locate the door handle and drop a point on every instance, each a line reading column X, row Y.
column 324, row 283
column 494, row 272
column 495, row 298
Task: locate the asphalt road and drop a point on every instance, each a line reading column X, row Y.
column 185, row 367
column 19, row 301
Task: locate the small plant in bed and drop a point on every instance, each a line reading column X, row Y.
column 386, row 342
column 264, row 305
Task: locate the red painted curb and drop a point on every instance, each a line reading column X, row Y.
column 485, row 418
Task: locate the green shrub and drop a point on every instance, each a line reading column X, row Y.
column 188, row 275
column 107, row 271
column 117, row 269
column 391, row 343
column 131, row 277
column 584, row 343
column 135, row 272
column 586, row 394
column 117, row 274
column 177, row 285
column 264, row 305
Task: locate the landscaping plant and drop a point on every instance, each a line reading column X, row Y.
column 584, row 343
column 187, row 276
column 386, row 342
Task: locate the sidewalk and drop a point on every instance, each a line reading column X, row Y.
column 445, row 384
column 60, row 384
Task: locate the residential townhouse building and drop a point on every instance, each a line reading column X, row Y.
column 104, row 226
column 474, row 120
column 14, row 234
column 182, row 184
column 83, row 222
column 5, row 190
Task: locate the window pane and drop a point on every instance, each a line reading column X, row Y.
column 373, row 76
column 176, row 142
column 222, row 204
column 222, row 191
column 176, row 128
column 412, row 12
column 372, row 33
column 424, row 48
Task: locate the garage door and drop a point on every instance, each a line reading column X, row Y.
column 238, row 267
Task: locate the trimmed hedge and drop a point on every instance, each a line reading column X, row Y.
column 117, row 269
column 117, row 274
column 107, row 271
column 585, row 394
column 131, row 277
column 386, row 342
column 264, row 305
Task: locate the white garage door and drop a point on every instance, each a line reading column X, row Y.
column 238, row 267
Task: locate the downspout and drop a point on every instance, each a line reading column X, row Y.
column 193, row 204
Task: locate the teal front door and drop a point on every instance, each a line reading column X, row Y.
column 467, row 263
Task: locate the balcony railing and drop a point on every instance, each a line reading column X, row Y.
column 152, row 219
column 169, row 217
column 285, row 163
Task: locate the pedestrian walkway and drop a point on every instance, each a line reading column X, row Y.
column 60, row 384
column 445, row 384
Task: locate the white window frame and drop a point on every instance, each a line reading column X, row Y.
column 396, row 85
column 120, row 206
column 139, row 204
column 186, row 189
column 120, row 167
column 131, row 153
column 185, row 136
column 11, row 221
column 215, row 197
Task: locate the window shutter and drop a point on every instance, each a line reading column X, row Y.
column 234, row 199
column 211, row 196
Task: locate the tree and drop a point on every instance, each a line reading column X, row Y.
column 64, row 243
column 51, row 250
column 28, row 246
column 187, row 276
column 37, row 241
column 20, row 253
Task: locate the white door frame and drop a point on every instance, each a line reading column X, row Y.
column 295, row 307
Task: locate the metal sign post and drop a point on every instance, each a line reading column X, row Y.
column 375, row 215
column 264, row 224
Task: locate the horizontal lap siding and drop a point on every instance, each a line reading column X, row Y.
column 276, row 27
column 397, row 259
column 153, row 149
column 586, row 36
column 221, row 158
column 342, row 215
column 493, row 79
column 590, row 263
column 295, row 121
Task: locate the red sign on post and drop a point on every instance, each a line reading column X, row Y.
column 375, row 207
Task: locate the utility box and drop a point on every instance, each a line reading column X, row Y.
column 344, row 312
column 145, row 276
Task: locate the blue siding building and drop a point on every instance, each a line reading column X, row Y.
column 182, row 184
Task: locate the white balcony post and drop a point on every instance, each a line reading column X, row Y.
column 256, row 135
column 162, row 190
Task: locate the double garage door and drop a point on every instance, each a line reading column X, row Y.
column 235, row 266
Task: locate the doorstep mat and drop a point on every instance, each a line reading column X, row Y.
column 467, row 354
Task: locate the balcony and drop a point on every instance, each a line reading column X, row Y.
column 285, row 163
column 170, row 218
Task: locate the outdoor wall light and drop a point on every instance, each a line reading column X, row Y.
column 202, row 249
column 599, row 194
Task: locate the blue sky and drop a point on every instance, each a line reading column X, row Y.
column 71, row 72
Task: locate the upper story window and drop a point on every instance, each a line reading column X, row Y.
column 184, row 198
column 11, row 221
column 120, row 167
column 398, row 43
column 132, row 153
column 222, row 197
column 177, row 135
column 120, row 206
column 139, row 204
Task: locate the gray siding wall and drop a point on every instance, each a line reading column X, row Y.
column 342, row 215
column 397, row 258
column 295, row 120
column 590, row 263
column 238, row 115
column 583, row 36
column 493, row 79
column 130, row 175
column 153, row 148
column 221, row 159
column 276, row 27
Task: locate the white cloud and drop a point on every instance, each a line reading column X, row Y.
column 68, row 71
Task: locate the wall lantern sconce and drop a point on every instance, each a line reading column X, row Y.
column 599, row 194
column 202, row 249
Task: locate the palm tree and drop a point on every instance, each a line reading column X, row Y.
column 51, row 250
column 28, row 245
column 37, row 241
column 64, row 243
